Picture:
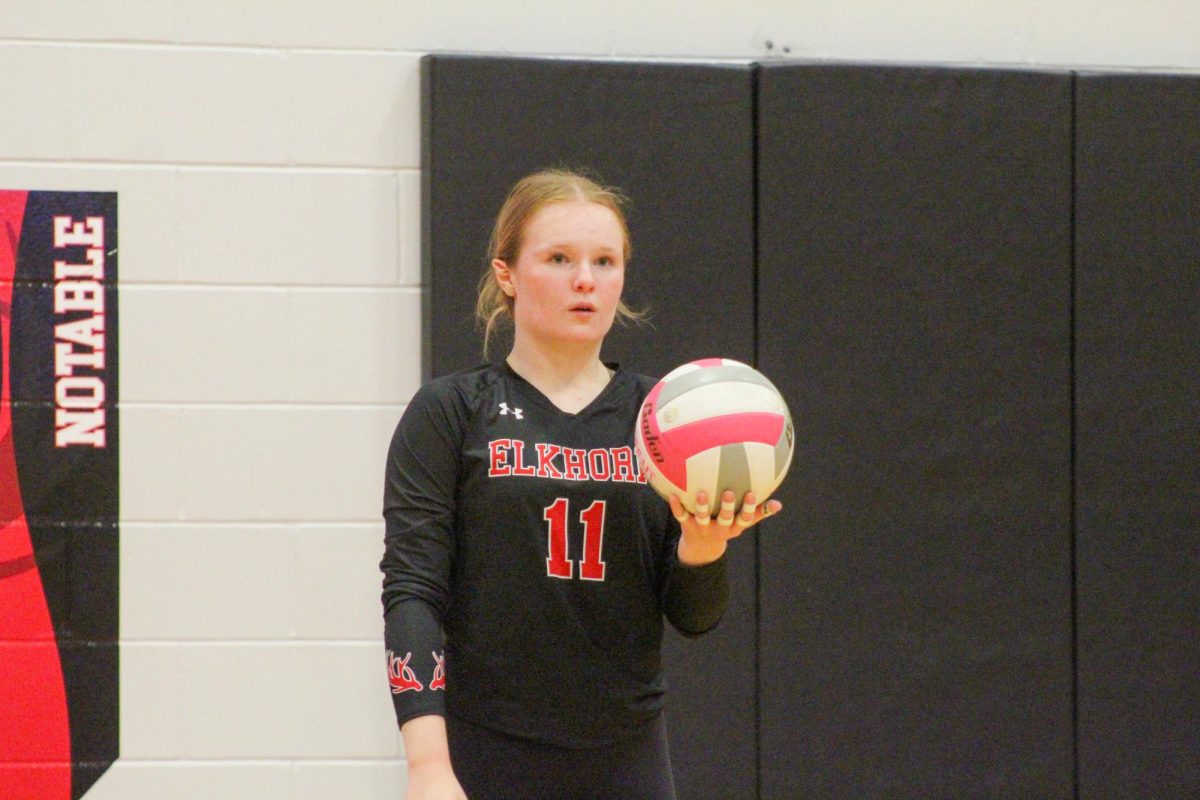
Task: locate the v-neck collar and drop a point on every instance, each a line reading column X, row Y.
column 542, row 399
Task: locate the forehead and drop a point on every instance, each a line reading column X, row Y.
column 574, row 220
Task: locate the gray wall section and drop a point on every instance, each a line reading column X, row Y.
column 678, row 139
column 1138, row 450
column 914, row 306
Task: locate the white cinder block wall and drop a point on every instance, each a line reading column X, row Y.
column 266, row 154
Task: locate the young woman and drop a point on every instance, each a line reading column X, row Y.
column 528, row 565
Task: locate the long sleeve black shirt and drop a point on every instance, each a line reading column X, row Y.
column 528, row 565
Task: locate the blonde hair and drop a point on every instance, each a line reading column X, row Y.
column 528, row 196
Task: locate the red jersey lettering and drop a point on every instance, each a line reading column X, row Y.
column 507, row 458
column 599, row 462
column 546, row 452
column 575, row 464
column 498, row 466
column 623, row 469
column 519, row 467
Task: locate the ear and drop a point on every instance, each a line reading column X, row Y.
column 504, row 277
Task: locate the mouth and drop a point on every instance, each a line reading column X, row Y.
column 583, row 308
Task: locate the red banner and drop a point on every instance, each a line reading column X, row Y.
column 58, row 493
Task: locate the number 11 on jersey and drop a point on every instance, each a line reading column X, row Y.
column 557, row 564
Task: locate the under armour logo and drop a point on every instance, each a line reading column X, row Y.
column 504, row 409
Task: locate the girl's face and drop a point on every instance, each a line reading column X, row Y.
column 568, row 276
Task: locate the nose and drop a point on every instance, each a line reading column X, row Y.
column 585, row 279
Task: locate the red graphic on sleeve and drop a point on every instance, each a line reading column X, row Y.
column 400, row 675
column 439, row 673
column 35, row 737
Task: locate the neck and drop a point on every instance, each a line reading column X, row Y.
column 558, row 365
column 570, row 377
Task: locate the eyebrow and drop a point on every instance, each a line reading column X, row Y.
column 566, row 246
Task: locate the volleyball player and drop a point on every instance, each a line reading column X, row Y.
column 528, row 566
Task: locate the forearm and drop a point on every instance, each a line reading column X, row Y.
column 425, row 742
column 416, row 673
column 413, row 628
column 430, row 774
column 696, row 596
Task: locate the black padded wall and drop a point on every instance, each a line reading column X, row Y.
column 678, row 139
column 1138, row 446
column 979, row 588
column 914, row 305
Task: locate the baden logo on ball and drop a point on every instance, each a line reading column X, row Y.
column 713, row 425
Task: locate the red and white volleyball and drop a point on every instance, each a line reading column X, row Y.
column 712, row 425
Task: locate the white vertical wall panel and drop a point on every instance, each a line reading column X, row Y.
column 161, row 723
column 151, row 678
column 288, row 227
column 340, row 712
column 252, row 780
column 129, row 779
column 127, row 20
column 870, row 29
column 348, row 24
column 158, row 104
column 203, row 345
column 245, row 582
column 240, row 700
column 240, row 464
column 334, row 582
column 224, row 581
column 356, row 346
column 1158, row 33
column 318, row 780
column 1152, row 34
column 272, row 464
column 340, row 463
column 150, row 465
column 541, row 27
column 32, row 85
column 354, row 109
column 257, row 701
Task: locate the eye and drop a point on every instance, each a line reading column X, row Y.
column 605, row 261
column 558, row 258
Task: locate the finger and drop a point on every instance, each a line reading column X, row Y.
column 677, row 509
column 771, row 507
column 702, row 509
column 746, row 517
column 725, row 517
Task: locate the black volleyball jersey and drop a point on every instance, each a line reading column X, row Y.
column 531, row 538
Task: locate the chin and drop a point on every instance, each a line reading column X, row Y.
column 585, row 335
